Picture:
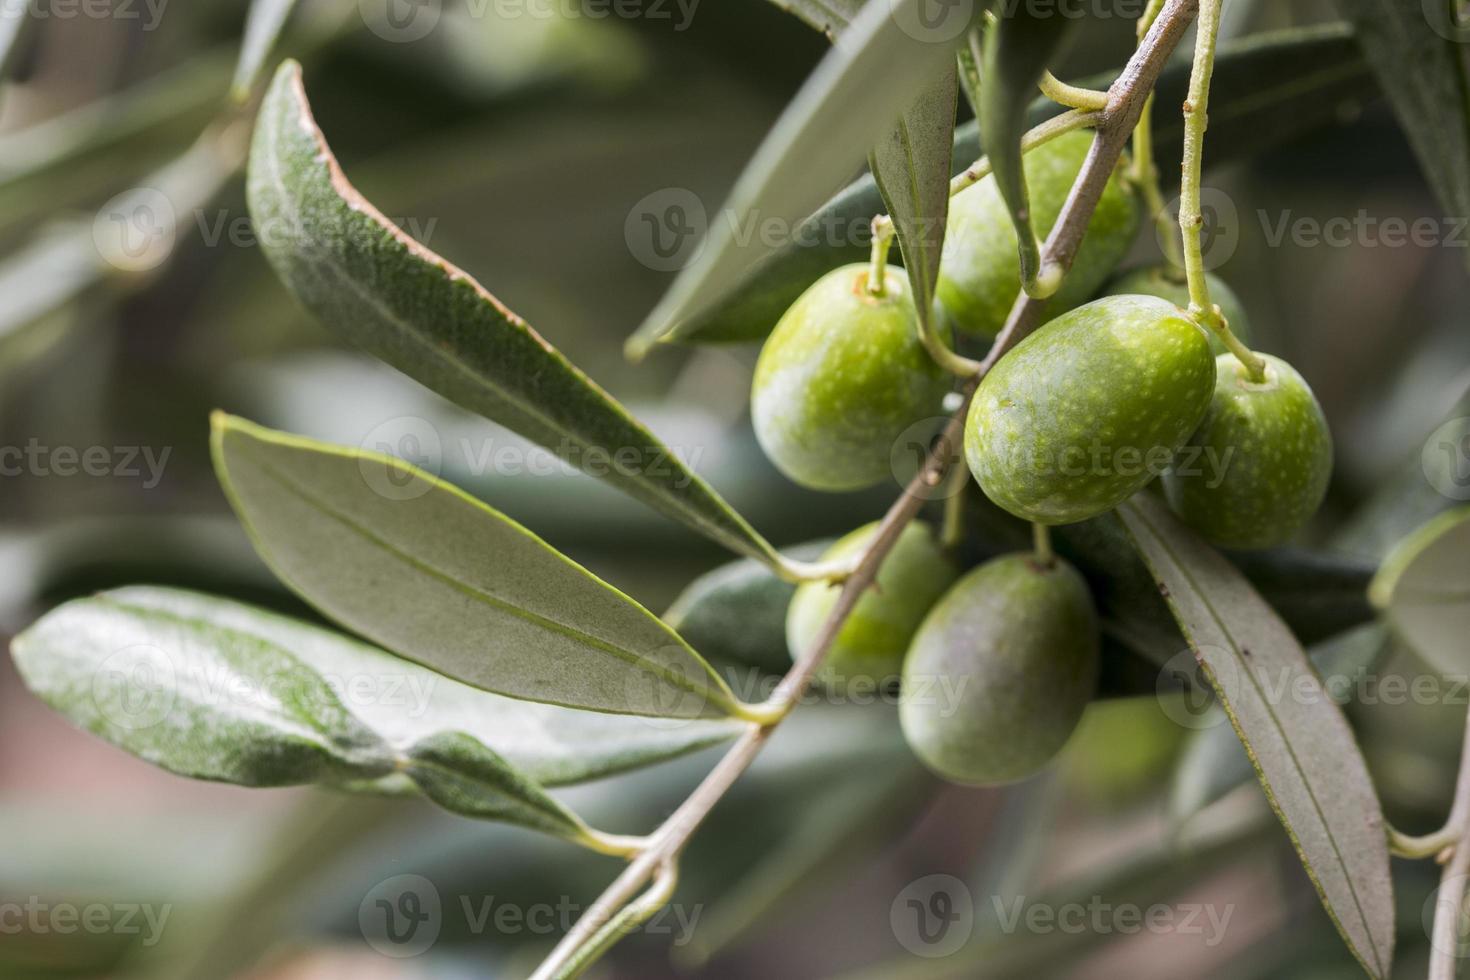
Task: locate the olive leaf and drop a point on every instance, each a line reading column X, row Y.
column 369, row 281
column 263, row 26
column 430, row 573
column 911, row 168
column 874, row 71
column 1269, row 88
column 1019, row 46
column 1299, row 741
column 15, row 23
column 215, row 689
column 1424, row 588
column 1417, row 50
column 1214, row 762
column 831, row 17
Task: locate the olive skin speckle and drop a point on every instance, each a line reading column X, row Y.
column 1157, row 281
column 869, row 650
column 980, row 269
column 1089, row 409
column 839, row 380
column 1001, row 671
column 1258, row 467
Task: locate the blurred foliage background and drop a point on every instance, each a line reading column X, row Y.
column 516, row 146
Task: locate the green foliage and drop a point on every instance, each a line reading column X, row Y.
column 436, row 576
column 1258, row 466
column 1424, row 588
column 1000, row 671
column 1088, row 409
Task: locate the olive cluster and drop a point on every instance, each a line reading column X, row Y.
column 997, row 663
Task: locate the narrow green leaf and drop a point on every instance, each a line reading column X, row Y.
column 911, row 168
column 1424, row 587
column 877, row 67
column 1269, row 88
column 1019, row 46
column 432, row 574
column 393, row 297
column 1299, row 741
column 1417, row 50
column 218, row 690
column 15, row 23
column 263, row 26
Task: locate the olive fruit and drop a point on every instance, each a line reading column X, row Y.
column 980, row 269
column 1000, row 671
column 1259, row 464
column 869, row 649
column 840, row 378
column 1164, row 283
column 1089, row 409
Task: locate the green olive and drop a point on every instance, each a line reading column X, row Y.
column 1000, row 671
column 980, row 270
column 1165, row 283
column 869, row 649
column 839, row 380
column 1087, row 410
column 1258, row 467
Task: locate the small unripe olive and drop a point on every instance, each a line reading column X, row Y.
column 840, row 378
column 1258, row 467
column 980, row 269
column 869, row 649
column 1087, row 410
column 1000, row 671
column 1165, row 283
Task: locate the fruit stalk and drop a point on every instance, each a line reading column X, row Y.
column 1126, row 99
column 1145, row 168
column 1191, row 219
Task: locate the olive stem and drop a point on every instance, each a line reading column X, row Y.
column 1071, row 96
column 1191, row 220
column 1145, row 169
column 878, row 262
column 1126, row 99
column 1444, row 958
column 1035, row 136
column 631, row 917
column 835, row 570
column 1041, row 535
column 952, row 534
column 1428, row 846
